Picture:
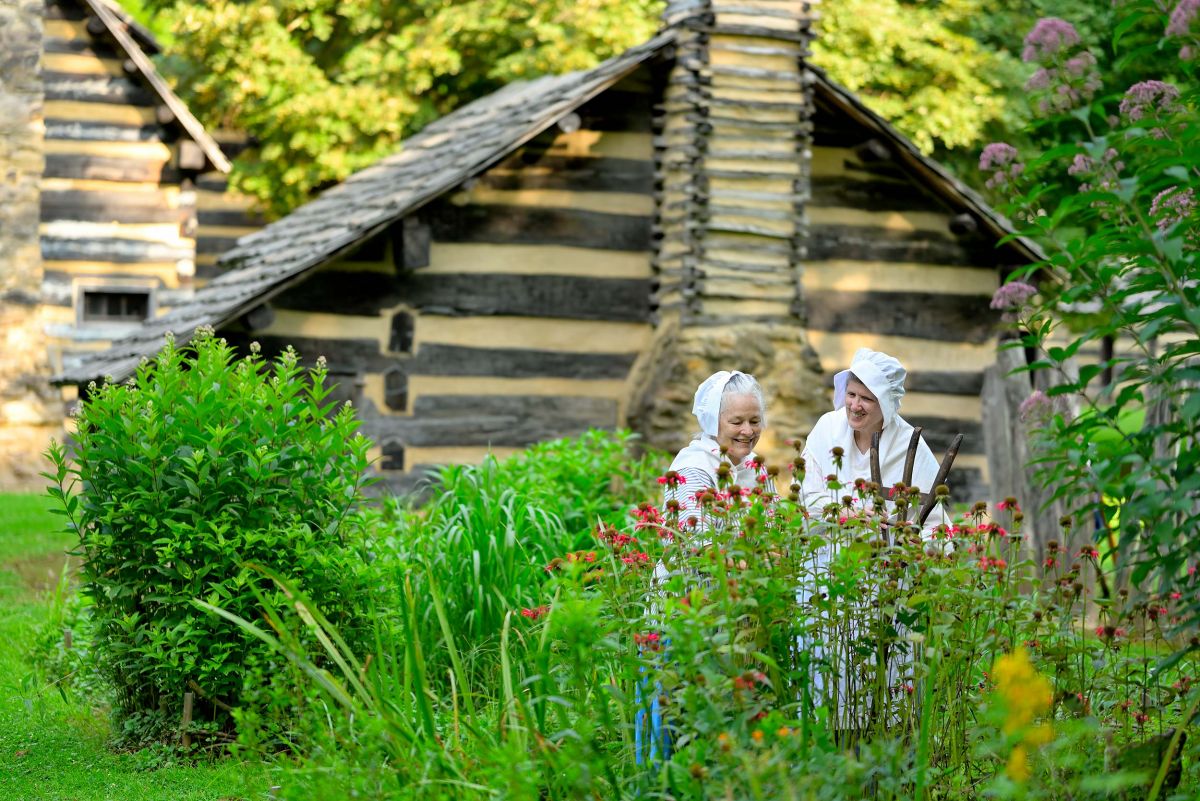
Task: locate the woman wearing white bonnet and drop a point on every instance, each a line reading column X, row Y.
column 732, row 415
column 866, row 399
column 730, row 410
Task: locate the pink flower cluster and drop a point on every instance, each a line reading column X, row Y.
column 1000, row 159
column 1171, row 206
column 1048, row 38
column 1066, row 79
column 1150, row 97
column 1013, row 295
column 1038, row 406
column 1180, row 25
column 1105, row 172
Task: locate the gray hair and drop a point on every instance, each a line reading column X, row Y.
column 743, row 384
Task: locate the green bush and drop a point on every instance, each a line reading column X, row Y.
column 179, row 484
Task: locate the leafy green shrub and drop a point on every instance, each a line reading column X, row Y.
column 181, row 479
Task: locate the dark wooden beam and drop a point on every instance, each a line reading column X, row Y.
column 400, row 339
column 349, row 356
column 944, row 382
column 125, row 251
column 410, row 244
column 862, row 243
column 456, row 360
column 105, row 168
column 499, row 420
column 395, row 389
column 229, row 217
column 571, row 297
column 89, row 131
column 926, row 315
column 599, row 174
column 119, row 207
column 539, row 226
column 96, row 89
column 873, row 195
column 940, row 431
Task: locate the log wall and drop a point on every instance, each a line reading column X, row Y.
column 113, row 211
column 124, row 203
column 510, row 311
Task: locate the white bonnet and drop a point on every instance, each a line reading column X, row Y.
column 880, row 373
column 707, row 404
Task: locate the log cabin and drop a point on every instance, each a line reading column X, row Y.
column 581, row 250
column 117, row 209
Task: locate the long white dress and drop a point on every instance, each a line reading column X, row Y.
column 833, row 430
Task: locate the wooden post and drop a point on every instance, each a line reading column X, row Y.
column 66, row 639
column 1010, row 453
column 186, row 723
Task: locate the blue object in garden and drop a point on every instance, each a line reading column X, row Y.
column 651, row 741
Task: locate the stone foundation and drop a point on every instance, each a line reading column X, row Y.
column 777, row 355
column 31, row 411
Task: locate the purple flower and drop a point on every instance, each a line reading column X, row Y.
column 1171, row 206
column 1013, row 295
column 1038, row 406
column 1080, row 166
column 997, row 154
column 1181, row 18
column 1050, row 36
column 1039, row 80
column 1001, row 159
column 1149, row 96
column 1080, row 65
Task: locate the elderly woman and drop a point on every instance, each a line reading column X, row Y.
column 866, row 399
column 729, row 407
column 730, row 410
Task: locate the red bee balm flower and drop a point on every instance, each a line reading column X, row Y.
column 535, row 612
column 672, row 479
column 650, row 641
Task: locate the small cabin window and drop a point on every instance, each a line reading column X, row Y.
column 123, row 305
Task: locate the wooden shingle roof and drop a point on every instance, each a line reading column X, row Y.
column 432, row 162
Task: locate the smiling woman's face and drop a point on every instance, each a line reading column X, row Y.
column 862, row 408
column 740, row 426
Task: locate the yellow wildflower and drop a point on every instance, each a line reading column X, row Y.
column 1018, row 764
column 1026, row 695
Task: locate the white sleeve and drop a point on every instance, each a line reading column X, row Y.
column 814, row 489
column 695, row 480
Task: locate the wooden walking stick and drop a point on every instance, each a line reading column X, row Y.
column 876, row 475
column 910, row 458
column 942, row 473
column 910, row 461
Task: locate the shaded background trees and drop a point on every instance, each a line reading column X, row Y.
column 326, row 87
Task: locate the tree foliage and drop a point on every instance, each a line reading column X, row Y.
column 327, row 87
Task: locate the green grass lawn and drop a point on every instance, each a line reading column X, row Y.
column 54, row 748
